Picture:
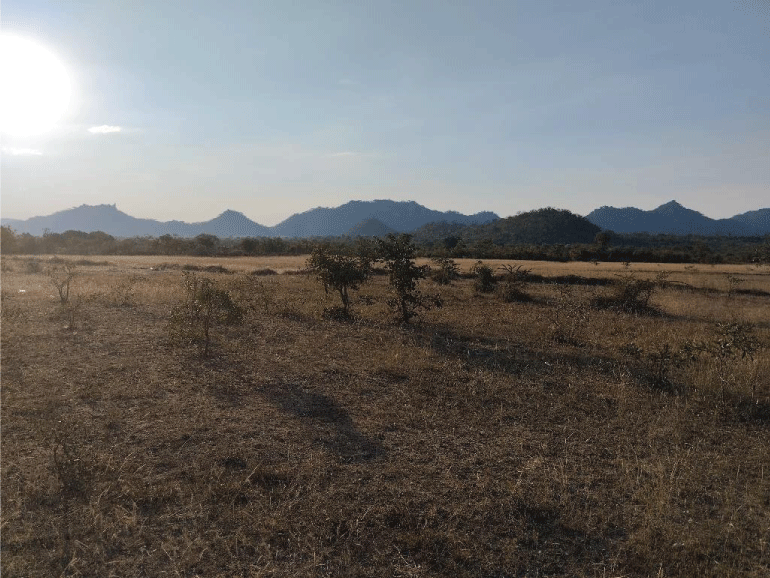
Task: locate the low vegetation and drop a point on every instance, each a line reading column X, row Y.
column 206, row 418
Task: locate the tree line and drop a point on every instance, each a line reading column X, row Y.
column 605, row 246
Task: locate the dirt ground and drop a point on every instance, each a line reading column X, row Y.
column 544, row 437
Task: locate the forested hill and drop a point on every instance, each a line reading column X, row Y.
column 547, row 226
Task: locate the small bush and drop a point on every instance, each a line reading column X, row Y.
column 204, row 306
column 485, row 278
column 446, row 272
column 207, row 268
column 568, row 316
column 513, row 284
column 254, row 294
column 631, row 294
column 121, row 294
column 732, row 284
column 61, row 277
column 730, row 343
column 659, row 364
column 33, row 266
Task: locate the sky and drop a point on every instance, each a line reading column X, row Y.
column 181, row 110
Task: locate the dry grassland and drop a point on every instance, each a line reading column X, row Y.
column 546, row 438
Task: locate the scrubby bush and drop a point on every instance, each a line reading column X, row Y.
column 485, row 277
column 729, row 343
column 204, row 306
column 446, row 271
column 567, row 316
column 398, row 252
column 513, row 283
column 61, row 277
column 632, row 294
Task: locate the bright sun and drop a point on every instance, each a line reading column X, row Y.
column 35, row 90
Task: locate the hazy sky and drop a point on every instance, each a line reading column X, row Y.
column 271, row 108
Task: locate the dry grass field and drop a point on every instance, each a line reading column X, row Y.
column 487, row 439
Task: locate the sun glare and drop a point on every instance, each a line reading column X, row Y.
column 35, row 90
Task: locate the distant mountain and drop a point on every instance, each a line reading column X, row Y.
column 672, row 218
column 758, row 221
column 107, row 218
column 370, row 228
column 234, row 224
column 321, row 222
column 88, row 218
column 401, row 216
column 541, row 227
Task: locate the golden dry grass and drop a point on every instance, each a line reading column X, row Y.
column 490, row 439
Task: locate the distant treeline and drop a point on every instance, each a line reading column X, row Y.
column 606, row 246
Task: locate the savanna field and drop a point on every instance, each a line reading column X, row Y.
column 558, row 434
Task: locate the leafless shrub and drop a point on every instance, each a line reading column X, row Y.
column 733, row 282
column 513, row 283
column 568, row 316
column 61, row 277
column 122, row 293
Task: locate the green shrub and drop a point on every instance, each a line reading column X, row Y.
column 398, row 252
column 340, row 272
column 485, row 278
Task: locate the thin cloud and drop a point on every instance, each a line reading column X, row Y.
column 22, row 152
column 104, row 129
column 345, row 154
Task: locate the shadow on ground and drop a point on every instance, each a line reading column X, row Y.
column 331, row 422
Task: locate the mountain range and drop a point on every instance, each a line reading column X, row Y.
column 377, row 218
column 355, row 217
column 672, row 218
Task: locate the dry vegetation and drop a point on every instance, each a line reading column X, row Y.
column 539, row 438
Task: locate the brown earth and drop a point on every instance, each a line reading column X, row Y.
column 543, row 438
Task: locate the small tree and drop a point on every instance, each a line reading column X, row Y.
column 398, row 252
column 204, row 306
column 340, row 272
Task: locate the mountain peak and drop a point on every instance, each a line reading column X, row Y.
column 673, row 218
column 230, row 214
column 670, row 205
